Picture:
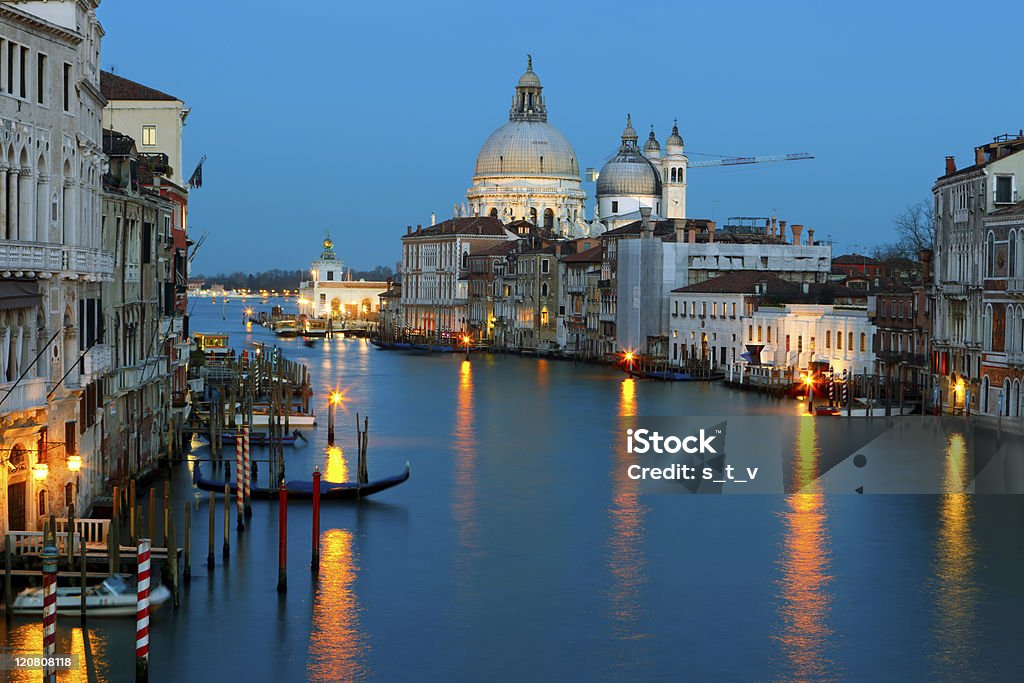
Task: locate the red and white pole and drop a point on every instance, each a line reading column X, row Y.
column 49, row 556
column 240, row 479
column 247, row 470
column 142, row 615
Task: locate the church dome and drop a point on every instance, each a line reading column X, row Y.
column 527, row 146
column 652, row 144
column 628, row 173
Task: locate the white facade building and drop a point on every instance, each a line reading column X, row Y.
column 330, row 294
column 53, row 354
column 797, row 335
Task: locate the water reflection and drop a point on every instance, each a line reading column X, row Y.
column 337, row 648
column 336, row 470
column 626, row 561
column 464, row 501
column 957, row 593
column 804, row 595
column 28, row 638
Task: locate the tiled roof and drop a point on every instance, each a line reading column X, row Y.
column 116, row 87
column 116, row 143
column 592, row 255
column 854, row 260
column 475, row 225
column 499, row 249
column 740, row 282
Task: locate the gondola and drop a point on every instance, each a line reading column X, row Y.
column 674, row 375
column 348, row 490
column 262, row 438
column 393, row 346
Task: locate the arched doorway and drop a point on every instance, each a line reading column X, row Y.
column 533, row 216
column 17, row 466
column 335, row 307
column 983, row 402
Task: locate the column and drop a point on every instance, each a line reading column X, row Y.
column 4, row 231
column 25, row 210
column 12, row 204
column 68, row 212
column 42, row 210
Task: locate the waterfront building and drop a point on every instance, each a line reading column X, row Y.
column 390, row 320
column 814, row 337
column 1002, row 365
column 972, row 288
column 536, row 295
column 53, row 340
column 902, row 332
column 647, row 259
column 485, row 274
column 330, row 293
column 635, row 179
column 154, row 119
column 434, row 294
column 527, row 170
column 577, row 308
column 141, row 312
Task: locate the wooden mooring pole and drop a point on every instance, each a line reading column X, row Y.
column 210, row 560
column 227, row 520
column 188, row 543
column 282, row 539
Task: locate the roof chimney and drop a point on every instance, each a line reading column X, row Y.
column 950, row 165
column 408, row 230
column 774, row 227
column 979, row 155
column 691, row 233
column 797, row 231
column 679, row 224
column 433, row 218
column 711, row 232
column 645, row 222
column 781, row 234
column 810, row 236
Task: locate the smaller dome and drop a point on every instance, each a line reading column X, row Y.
column 674, row 140
column 629, row 133
column 529, row 79
column 652, row 143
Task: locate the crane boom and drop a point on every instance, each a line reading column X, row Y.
column 736, row 161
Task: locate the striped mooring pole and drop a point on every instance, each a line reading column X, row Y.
column 142, row 615
column 49, row 556
column 846, row 388
column 831, row 388
column 247, row 470
column 240, row 480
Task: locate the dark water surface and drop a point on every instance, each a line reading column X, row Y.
column 518, row 550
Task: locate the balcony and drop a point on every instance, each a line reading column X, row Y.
column 1015, row 358
column 171, row 327
column 97, row 361
column 128, row 379
column 1015, row 284
column 30, row 394
column 40, row 258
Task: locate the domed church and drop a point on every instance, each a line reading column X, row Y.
column 633, row 179
column 528, row 170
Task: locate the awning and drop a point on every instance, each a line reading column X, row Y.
column 19, row 294
column 753, row 354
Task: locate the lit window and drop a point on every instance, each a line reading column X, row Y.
column 149, row 136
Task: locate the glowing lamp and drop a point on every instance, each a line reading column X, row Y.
column 628, row 356
column 74, row 463
column 335, row 397
column 40, row 470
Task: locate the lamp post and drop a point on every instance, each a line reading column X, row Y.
column 335, row 399
column 809, row 383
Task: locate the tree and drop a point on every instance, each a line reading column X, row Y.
column 916, row 228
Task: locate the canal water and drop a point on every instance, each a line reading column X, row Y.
column 519, row 551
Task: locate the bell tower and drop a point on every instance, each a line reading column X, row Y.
column 673, row 176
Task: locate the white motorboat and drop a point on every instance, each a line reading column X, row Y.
column 115, row 597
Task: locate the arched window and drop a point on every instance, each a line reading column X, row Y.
column 769, row 330
column 533, row 216
column 544, row 289
column 494, row 212
column 759, row 334
column 828, row 339
column 990, row 254
column 549, row 218
column 839, row 341
column 41, row 502
column 849, row 340
column 750, row 330
column 1012, row 261
column 673, row 175
column 863, row 342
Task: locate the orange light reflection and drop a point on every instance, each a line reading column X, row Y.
column 336, row 645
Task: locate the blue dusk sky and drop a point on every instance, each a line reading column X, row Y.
column 364, row 117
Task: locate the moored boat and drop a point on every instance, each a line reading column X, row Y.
column 115, row 597
column 348, row 490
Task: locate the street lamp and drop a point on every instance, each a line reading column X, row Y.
column 628, row 357
column 809, row 383
column 466, row 339
column 335, row 400
column 40, row 471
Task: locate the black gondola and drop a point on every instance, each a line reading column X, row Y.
column 348, row 490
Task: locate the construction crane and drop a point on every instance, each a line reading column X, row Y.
column 593, row 173
column 737, row 161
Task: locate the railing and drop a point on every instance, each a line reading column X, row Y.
column 1015, row 358
column 171, row 327
column 43, row 257
column 92, row 531
column 29, row 394
column 32, row 542
column 1015, row 284
column 97, row 361
column 128, row 378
